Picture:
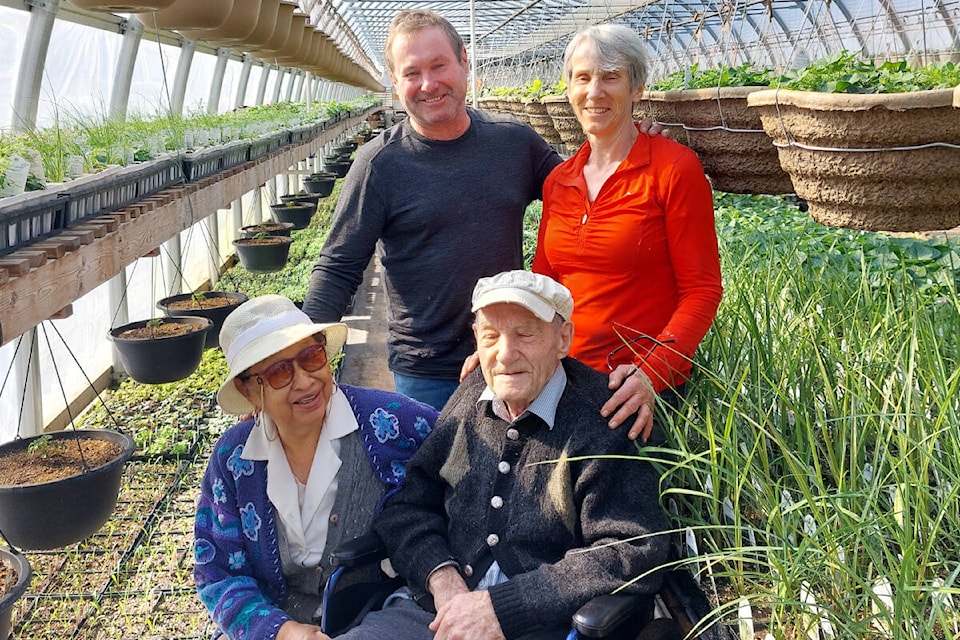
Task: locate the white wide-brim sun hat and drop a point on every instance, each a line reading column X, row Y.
column 259, row 328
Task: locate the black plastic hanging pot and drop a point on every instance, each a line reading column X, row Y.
column 339, row 167
column 268, row 228
column 297, row 214
column 263, row 254
column 302, row 198
column 320, row 184
column 156, row 358
column 215, row 305
column 55, row 514
column 17, row 562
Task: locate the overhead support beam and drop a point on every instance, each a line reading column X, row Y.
column 26, row 100
column 132, row 31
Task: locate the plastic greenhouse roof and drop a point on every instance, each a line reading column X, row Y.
column 523, row 33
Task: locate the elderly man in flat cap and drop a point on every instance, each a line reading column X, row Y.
column 509, row 521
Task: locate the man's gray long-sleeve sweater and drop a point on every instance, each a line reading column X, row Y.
column 442, row 214
column 556, row 512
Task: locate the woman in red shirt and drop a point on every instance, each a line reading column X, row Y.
column 628, row 227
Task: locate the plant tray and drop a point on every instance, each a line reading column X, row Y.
column 267, row 144
column 158, row 175
column 29, row 217
column 204, row 163
column 96, row 194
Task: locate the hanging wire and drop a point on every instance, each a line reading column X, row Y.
column 63, row 393
column 113, row 418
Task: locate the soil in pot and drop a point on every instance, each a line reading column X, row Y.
column 67, row 483
column 162, row 349
column 269, row 228
column 295, row 213
column 215, row 305
column 263, row 254
column 302, row 198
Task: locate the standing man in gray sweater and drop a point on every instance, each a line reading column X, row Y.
column 513, row 515
column 441, row 198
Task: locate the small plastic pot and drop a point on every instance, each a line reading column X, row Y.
column 55, row 514
column 297, row 214
column 320, row 184
column 215, row 310
column 18, row 562
column 164, row 358
column 263, row 254
column 269, row 228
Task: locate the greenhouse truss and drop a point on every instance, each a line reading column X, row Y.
column 174, row 135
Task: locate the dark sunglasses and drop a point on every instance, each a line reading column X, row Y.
column 280, row 373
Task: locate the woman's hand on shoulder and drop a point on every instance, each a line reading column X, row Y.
column 291, row 630
column 469, row 364
column 632, row 393
column 653, row 128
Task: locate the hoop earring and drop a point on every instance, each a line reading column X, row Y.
column 265, row 422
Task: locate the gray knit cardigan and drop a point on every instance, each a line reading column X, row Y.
column 559, row 506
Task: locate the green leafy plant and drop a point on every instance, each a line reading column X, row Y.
column 44, row 446
column 745, row 75
column 844, row 72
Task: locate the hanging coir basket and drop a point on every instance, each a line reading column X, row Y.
column 737, row 154
column 63, row 486
column 883, row 162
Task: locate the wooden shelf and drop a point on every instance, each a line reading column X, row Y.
column 99, row 249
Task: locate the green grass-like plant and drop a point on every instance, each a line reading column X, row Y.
column 817, row 454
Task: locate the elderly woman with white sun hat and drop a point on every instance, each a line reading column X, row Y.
column 309, row 469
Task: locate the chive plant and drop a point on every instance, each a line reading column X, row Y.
column 817, row 456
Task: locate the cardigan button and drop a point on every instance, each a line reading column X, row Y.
column 467, row 570
column 334, row 518
column 513, row 434
column 496, row 502
column 492, row 540
column 503, row 467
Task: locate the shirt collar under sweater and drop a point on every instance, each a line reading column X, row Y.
column 305, row 524
column 544, row 406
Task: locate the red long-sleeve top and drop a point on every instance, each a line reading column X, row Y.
column 642, row 257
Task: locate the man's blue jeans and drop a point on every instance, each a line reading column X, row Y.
column 432, row 391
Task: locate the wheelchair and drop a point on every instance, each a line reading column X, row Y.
column 357, row 586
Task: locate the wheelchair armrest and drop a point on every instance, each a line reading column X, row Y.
column 599, row 617
column 360, row 551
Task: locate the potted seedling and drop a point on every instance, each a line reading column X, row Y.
column 320, row 184
column 295, row 212
column 301, row 196
column 263, row 253
column 161, row 349
column 268, row 228
column 215, row 305
column 58, row 488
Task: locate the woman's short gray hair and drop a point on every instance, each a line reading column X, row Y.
column 617, row 48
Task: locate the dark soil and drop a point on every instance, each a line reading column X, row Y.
column 55, row 460
column 262, row 241
column 164, row 330
column 211, row 302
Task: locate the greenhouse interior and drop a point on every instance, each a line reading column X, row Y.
column 156, row 153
